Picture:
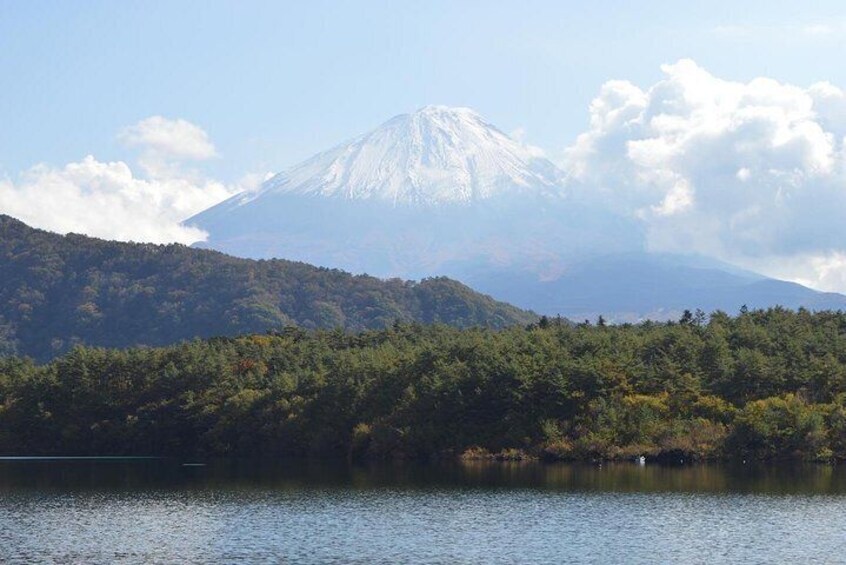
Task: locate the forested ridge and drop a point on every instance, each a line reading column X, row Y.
column 760, row 385
column 60, row 291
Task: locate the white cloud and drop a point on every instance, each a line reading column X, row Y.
column 753, row 173
column 825, row 270
column 178, row 139
column 166, row 144
column 108, row 200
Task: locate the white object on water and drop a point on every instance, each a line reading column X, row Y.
column 641, row 460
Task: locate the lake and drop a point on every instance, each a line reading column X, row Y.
column 163, row 511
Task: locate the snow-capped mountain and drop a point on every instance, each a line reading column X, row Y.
column 442, row 192
column 437, row 187
column 435, row 156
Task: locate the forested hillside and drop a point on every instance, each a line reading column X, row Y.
column 766, row 384
column 59, row 291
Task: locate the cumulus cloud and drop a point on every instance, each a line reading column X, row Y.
column 108, row 200
column 753, row 173
column 166, row 144
column 175, row 138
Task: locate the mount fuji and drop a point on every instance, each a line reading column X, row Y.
column 442, row 192
column 433, row 157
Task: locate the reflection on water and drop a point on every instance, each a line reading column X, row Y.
column 121, row 510
column 115, row 474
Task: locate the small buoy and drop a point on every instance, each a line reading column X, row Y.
column 641, row 460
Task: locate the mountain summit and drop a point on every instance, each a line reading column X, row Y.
column 434, row 156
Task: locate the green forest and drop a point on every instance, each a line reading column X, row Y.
column 760, row 385
column 60, row 291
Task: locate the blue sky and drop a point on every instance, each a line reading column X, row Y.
column 273, row 82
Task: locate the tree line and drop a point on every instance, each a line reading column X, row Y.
column 760, row 385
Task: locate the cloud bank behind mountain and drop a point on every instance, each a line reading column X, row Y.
column 752, row 173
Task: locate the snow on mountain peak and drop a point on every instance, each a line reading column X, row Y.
column 436, row 155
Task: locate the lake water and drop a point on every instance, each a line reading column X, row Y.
column 160, row 511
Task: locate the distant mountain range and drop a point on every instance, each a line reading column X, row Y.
column 443, row 192
column 57, row 291
column 637, row 286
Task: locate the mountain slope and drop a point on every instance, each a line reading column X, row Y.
column 637, row 286
column 56, row 291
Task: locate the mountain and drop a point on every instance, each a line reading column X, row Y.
column 442, row 192
column 636, row 286
column 423, row 194
column 57, row 291
column 433, row 157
